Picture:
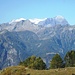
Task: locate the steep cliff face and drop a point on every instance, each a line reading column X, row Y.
column 12, row 49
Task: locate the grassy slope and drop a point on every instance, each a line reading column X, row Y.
column 20, row 70
column 64, row 71
column 16, row 70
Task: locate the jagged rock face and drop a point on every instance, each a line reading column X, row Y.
column 12, row 49
column 19, row 26
column 58, row 20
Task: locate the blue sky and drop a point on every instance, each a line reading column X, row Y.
column 14, row 9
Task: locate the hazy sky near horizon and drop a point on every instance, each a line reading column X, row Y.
column 14, row 9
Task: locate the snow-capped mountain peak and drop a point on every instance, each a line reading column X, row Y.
column 59, row 18
column 36, row 21
column 17, row 20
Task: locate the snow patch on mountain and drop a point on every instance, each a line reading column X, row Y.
column 17, row 20
column 59, row 17
column 60, row 20
column 36, row 21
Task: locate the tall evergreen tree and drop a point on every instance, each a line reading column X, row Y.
column 70, row 59
column 34, row 63
column 56, row 62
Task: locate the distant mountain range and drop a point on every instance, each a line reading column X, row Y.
column 22, row 38
column 33, row 24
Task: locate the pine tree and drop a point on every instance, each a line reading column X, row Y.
column 70, row 59
column 34, row 63
column 56, row 62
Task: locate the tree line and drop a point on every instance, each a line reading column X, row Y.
column 34, row 63
column 56, row 62
column 69, row 60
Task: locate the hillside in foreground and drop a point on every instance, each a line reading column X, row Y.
column 15, row 70
column 21, row 70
